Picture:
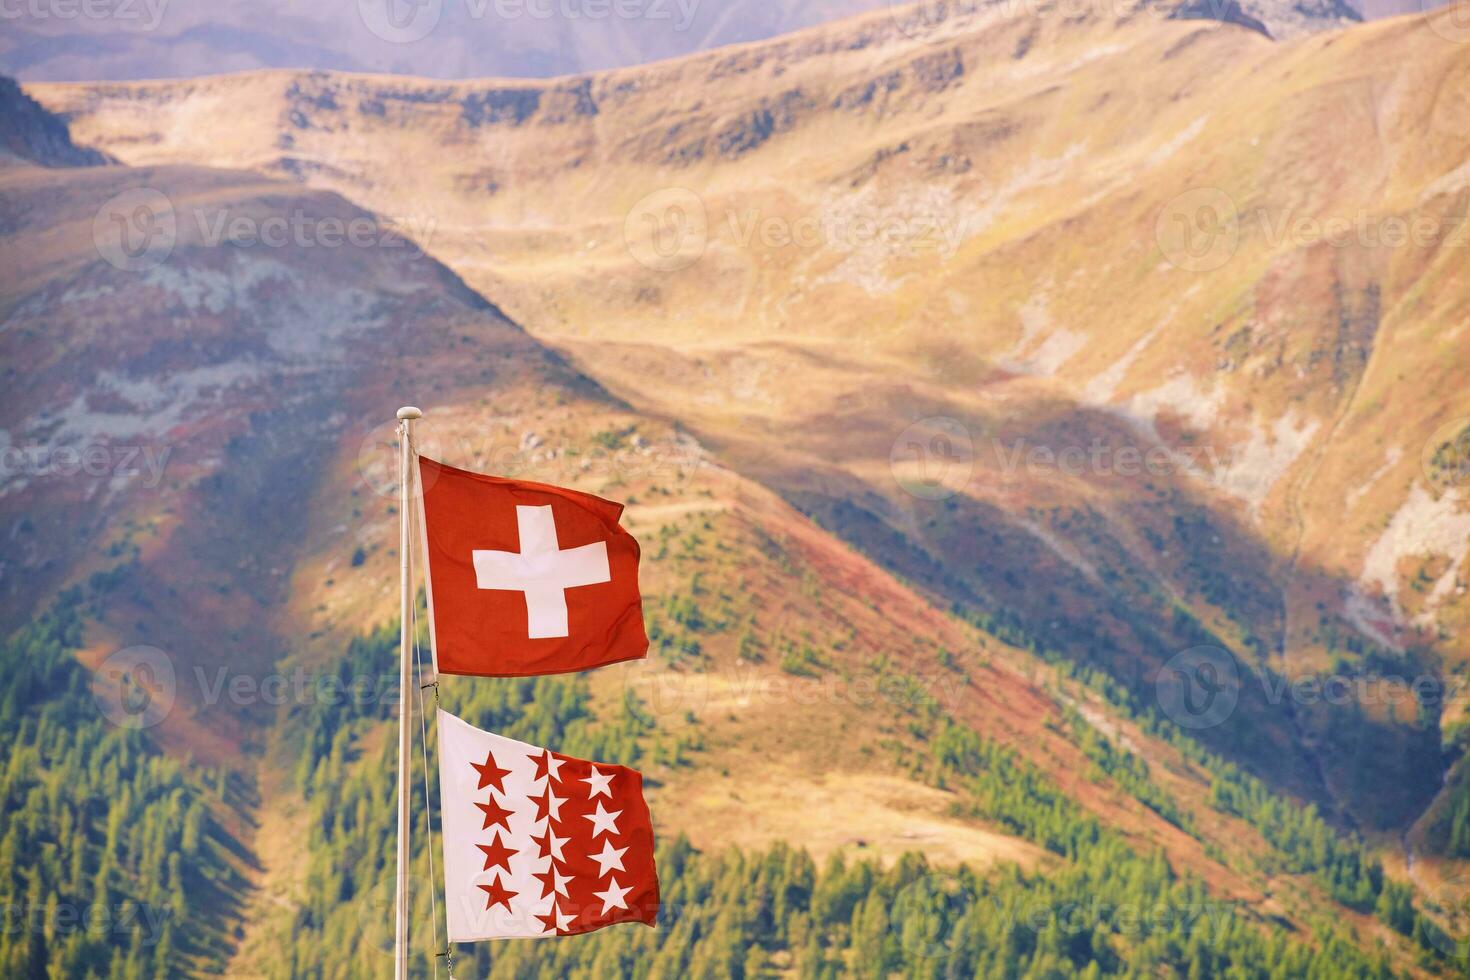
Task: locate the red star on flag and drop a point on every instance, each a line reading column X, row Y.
column 552, row 880
column 497, row 894
column 547, row 765
column 563, row 862
column 548, row 804
column 497, row 854
column 550, row 844
column 490, row 773
column 495, row 815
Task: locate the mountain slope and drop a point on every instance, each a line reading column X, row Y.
column 34, row 135
column 183, row 349
column 820, row 239
column 255, row 369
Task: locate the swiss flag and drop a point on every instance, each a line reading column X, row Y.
column 525, row 578
column 539, row 844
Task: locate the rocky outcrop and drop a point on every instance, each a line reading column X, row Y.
column 30, row 133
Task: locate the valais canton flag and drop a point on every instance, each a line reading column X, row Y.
column 538, row 844
column 525, row 578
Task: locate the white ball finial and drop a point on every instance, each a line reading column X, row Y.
column 409, row 413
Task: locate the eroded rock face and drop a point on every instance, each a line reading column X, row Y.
column 152, row 380
column 30, row 133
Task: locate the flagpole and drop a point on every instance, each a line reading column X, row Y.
column 406, row 418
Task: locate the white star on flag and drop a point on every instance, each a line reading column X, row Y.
column 519, row 860
column 599, row 783
column 614, row 897
column 554, row 843
column 602, row 821
column 559, row 881
column 610, row 858
column 553, row 803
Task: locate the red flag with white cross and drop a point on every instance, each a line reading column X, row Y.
column 525, row 578
column 539, row 844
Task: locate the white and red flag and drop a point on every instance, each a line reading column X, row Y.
column 539, row 844
column 525, row 578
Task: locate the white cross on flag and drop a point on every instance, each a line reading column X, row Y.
column 525, row 578
column 539, row 844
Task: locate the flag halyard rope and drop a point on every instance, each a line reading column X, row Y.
column 428, row 813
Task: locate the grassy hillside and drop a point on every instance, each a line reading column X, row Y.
column 1202, row 434
column 962, row 376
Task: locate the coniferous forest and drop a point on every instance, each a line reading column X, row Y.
column 111, row 854
column 997, row 471
column 115, row 830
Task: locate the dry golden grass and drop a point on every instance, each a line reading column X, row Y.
column 1058, row 146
